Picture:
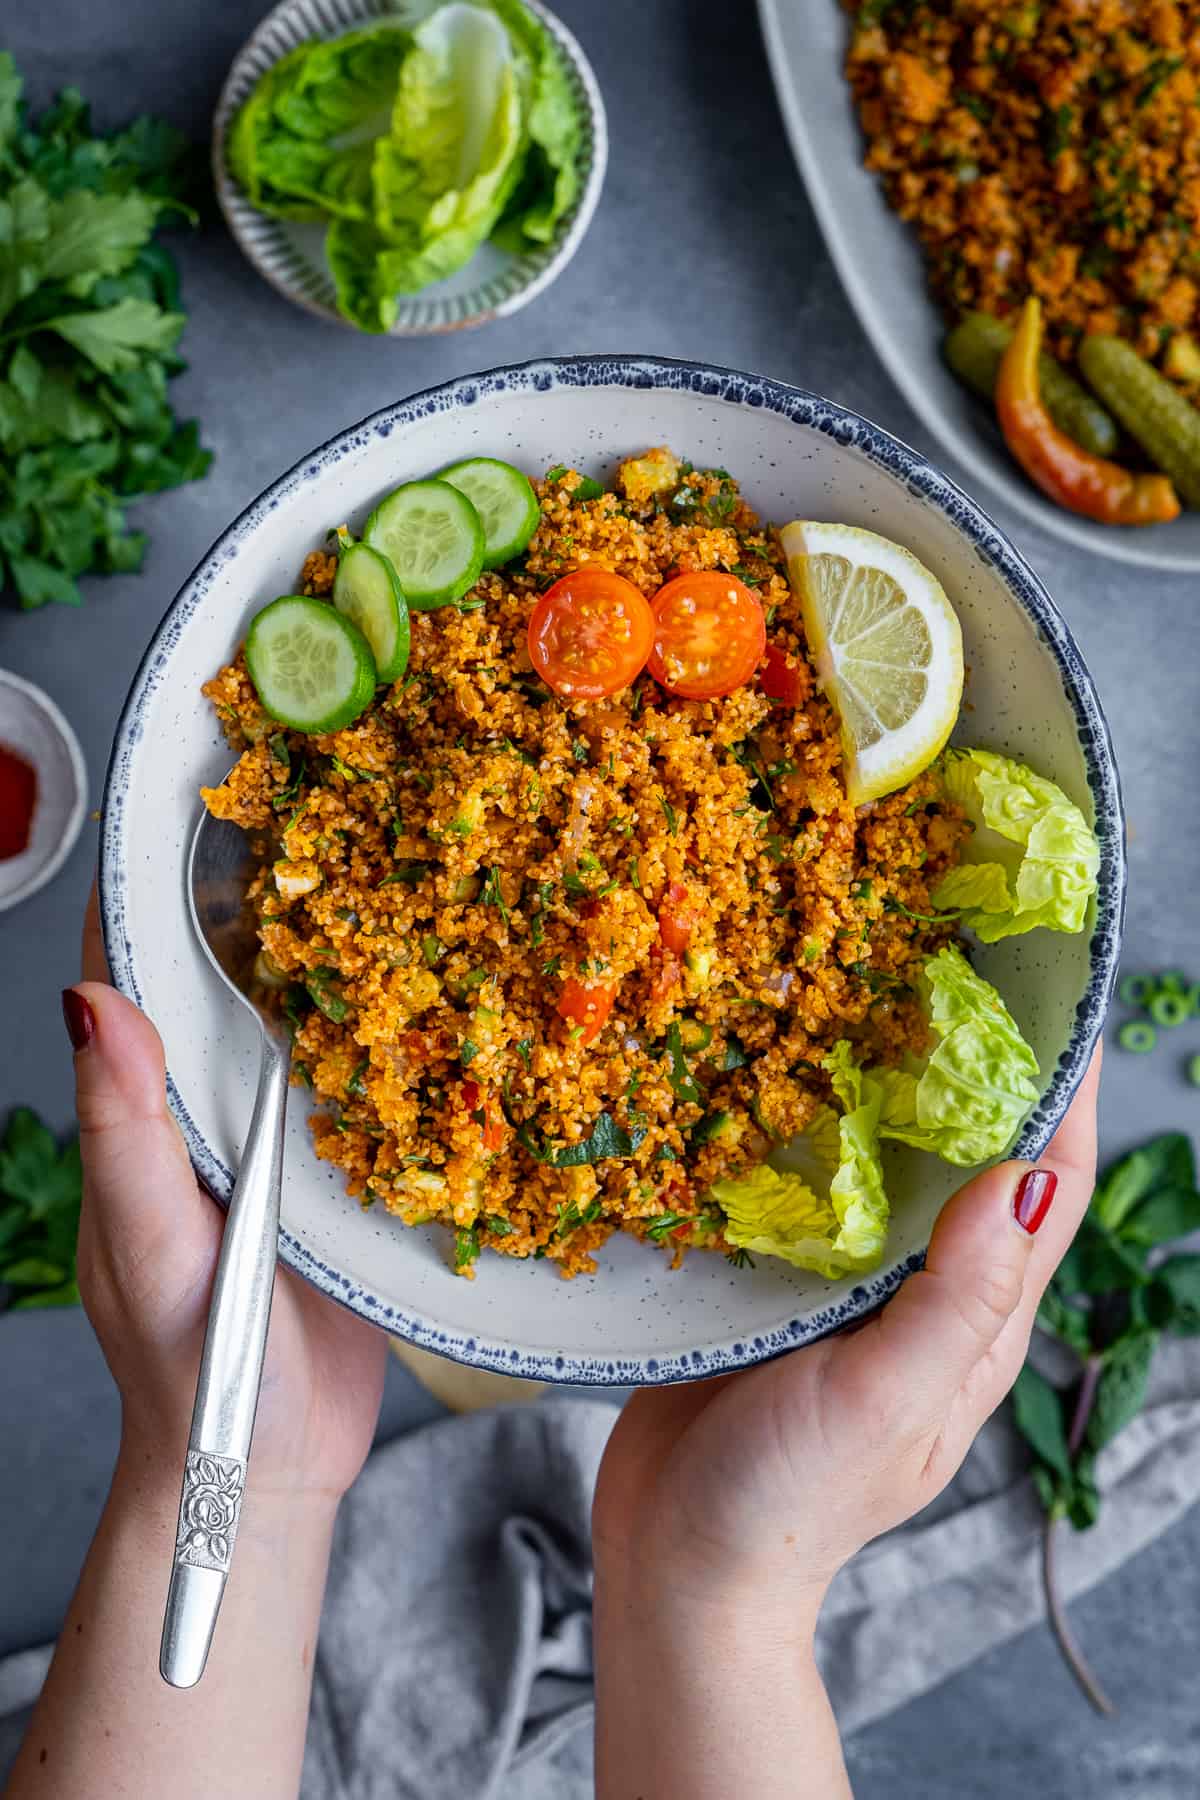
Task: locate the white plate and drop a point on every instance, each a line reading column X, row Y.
column 878, row 258
column 32, row 725
column 291, row 256
column 1029, row 694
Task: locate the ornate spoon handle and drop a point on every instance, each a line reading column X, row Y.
column 214, row 1476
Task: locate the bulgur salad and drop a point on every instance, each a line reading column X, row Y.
column 1048, row 157
column 613, row 869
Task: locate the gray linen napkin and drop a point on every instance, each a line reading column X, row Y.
column 455, row 1661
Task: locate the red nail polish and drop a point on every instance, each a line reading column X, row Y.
column 80, row 1019
column 1032, row 1200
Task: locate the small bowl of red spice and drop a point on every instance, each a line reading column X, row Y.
column 43, row 789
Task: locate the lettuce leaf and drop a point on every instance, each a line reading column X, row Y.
column 443, row 176
column 967, row 1098
column 440, row 179
column 302, row 144
column 549, row 183
column 1033, row 857
column 829, row 1212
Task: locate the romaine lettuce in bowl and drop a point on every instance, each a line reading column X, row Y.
column 416, row 141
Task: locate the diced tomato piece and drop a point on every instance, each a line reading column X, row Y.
column 781, row 677
column 676, row 918
column 665, row 972
column 587, row 1004
column 475, row 1100
column 494, row 1129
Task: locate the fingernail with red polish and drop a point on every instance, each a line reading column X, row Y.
column 1032, row 1200
column 81, row 1020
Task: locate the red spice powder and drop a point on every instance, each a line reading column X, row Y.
column 18, row 797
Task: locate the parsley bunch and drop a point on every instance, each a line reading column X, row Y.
column 1114, row 1294
column 89, row 317
column 40, row 1189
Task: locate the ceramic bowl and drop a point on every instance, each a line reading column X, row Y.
column 1029, row 695
column 878, row 258
column 33, row 726
column 291, row 255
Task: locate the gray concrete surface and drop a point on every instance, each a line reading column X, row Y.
column 704, row 246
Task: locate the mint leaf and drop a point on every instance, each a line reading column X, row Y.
column 1038, row 1410
column 1172, row 1212
column 112, row 337
column 1176, row 1286
column 1122, row 1388
column 1165, row 1162
column 608, row 1139
column 1065, row 1322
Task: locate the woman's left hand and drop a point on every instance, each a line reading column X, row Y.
column 148, row 1244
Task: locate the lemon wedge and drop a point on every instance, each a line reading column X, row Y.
column 887, row 647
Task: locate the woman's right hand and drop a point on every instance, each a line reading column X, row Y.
column 725, row 1507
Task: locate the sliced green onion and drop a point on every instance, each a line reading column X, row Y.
column 1193, row 1070
column 1136, row 990
column 1171, row 981
column 1169, row 1008
column 1137, row 1036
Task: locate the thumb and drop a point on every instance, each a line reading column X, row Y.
column 950, row 1315
column 144, row 1217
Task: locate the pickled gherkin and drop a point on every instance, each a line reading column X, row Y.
column 1154, row 413
column 973, row 350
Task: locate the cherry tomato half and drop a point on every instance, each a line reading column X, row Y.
column 709, row 634
column 676, row 918
column 781, row 677
column 590, row 634
column 586, row 1004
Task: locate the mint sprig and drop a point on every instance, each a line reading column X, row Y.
column 1113, row 1296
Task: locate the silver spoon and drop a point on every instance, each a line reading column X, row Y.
column 221, row 863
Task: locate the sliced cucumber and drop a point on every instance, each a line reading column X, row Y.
column 506, row 504
column 431, row 535
column 367, row 592
column 313, row 669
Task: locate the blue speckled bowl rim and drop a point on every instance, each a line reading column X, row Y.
column 922, row 480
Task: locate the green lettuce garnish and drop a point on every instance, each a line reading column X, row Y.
column 966, row 1099
column 549, row 183
column 1033, row 857
column 442, row 177
column 416, row 139
column 303, row 144
column 829, row 1212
